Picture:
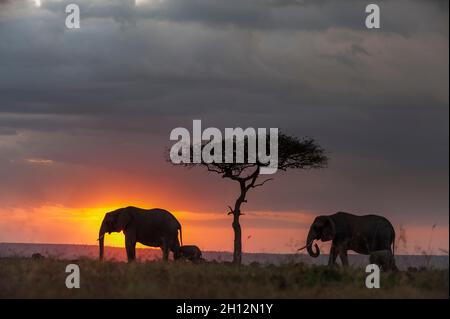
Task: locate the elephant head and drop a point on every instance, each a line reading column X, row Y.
column 322, row 228
column 114, row 221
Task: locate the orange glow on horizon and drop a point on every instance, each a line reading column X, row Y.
column 210, row 231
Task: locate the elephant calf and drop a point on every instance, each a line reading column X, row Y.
column 384, row 259
column 191, row 253
column 37, row 256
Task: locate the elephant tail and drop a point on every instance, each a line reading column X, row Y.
column 393, row 242
column 181, row 236
column 393, row 247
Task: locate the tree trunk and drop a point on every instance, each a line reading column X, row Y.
column 237, row 253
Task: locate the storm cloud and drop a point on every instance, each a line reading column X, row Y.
column 105, row 97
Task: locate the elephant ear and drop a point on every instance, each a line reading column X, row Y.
column 329, row 229
column 123, row 219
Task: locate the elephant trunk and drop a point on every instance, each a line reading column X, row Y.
column 101, row 241
column 309, row 243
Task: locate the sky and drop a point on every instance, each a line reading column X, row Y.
column 85, row 115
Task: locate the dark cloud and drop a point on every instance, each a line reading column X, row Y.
column 6, row 131
column 113, row 90
column 271, row 14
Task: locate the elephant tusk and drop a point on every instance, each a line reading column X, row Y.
column 310, row 243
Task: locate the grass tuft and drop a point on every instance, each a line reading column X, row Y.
column 45, row 278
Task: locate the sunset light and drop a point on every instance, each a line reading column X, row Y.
column 224, row 149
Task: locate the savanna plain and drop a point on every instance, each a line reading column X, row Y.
column 22, row 277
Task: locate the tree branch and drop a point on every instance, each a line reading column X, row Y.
column 253, row 177
column 262, row 183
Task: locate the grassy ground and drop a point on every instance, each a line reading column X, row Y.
column 45, row 278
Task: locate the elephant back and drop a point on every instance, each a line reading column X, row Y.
column 161, row 217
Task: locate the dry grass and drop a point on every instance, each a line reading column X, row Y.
column 45, row 278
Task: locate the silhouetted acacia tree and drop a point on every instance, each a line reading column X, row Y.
column 293, row 153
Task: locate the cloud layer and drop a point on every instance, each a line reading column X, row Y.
column 85, row 115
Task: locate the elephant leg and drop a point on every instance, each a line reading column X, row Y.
column 343, row 256
column 176, row 251
column 176, row 248
column 333, row 255
column 130, row 246
column 165, row 249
